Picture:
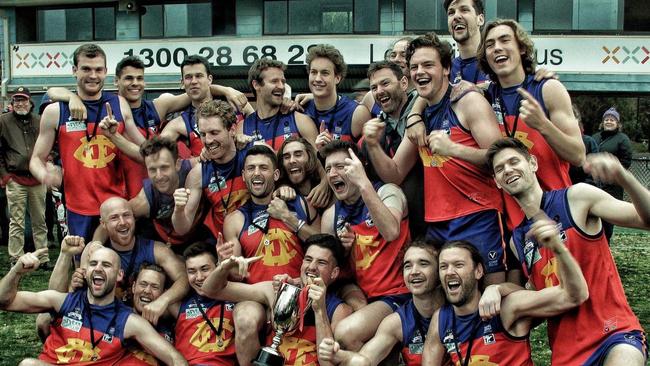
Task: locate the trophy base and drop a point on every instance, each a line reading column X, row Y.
column 267, row 356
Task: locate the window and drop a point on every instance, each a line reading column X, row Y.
column 77, row 24
column 176, row 20
column 578, row 15
column 366, row 16
column 425, row 15
column 321, row 16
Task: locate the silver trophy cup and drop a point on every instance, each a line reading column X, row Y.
column 285, row 315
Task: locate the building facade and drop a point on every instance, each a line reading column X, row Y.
column 596, row 46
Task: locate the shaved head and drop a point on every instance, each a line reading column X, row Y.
column 114, row 202
column 109, row 254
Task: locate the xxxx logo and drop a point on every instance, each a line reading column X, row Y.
column 97, row 153
column 623, row 55
column 432, row 160
column 201, row 337
column 76, row 346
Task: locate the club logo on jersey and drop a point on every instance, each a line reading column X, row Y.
column 366, row 249
column 432, row 160
column 77, row 347
column 281, row 248
column 489, row 339
column 99, row 146
column 204, row 333
column 298, row 352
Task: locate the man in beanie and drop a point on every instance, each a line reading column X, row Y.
column 18, row 132
column 610, row 139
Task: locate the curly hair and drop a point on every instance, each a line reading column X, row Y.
column 526, row 45
column 331, row 53
column 217, row 108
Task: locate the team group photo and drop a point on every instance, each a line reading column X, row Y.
column 463, row 189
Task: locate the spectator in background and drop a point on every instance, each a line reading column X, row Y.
column 610, row 139
column 576, row 173
column 361, row 89
column 18, row 133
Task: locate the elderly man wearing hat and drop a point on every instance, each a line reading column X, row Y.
column 18, row 132
column 610, row 139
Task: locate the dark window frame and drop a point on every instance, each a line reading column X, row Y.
column 71, row 7
column 288, row 33
column 163, row 18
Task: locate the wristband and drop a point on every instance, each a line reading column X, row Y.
column 414, row 123
column 301, row 224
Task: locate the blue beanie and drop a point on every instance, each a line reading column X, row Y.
column 612, row 112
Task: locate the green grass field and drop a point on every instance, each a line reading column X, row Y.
column 630, row 247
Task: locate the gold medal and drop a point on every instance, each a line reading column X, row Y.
column 88, row 150
column 95, row 357
column 219, row 343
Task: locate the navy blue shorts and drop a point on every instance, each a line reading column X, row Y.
column 634, row 338
column 394, row 301
column 482, row 229
column 81, row 225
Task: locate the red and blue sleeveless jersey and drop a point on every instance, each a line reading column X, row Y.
column 137, row 356
column 161, row 207
column 414, row 333
column 131, row 260
column 299, row 348
column 280, row 248
column 553, row 172
column 454, row 187
column 488, row 342
column 148, row 123
column 195, row 338
column 376, row 261
column 605, row 312
column 189, row 145
column 273, row 130
column 337, row 120
column 467, row 69
column 70, row 341
column 90, row 161
column 224, row 188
